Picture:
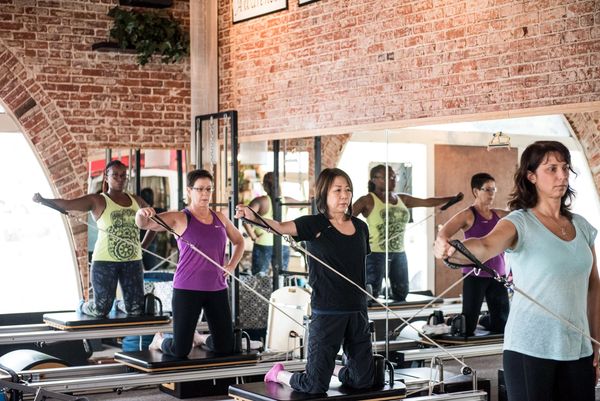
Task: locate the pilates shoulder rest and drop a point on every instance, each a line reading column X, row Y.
column 261, row 391
column 156, row 361
column 76, row 320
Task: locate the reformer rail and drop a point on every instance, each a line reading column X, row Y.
column 29, row 333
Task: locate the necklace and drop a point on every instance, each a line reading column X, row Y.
column 563, row 228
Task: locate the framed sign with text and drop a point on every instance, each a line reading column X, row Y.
column 246, row 9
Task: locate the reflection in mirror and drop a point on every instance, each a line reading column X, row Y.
column 257, row 189
column 158, row 185
column 404, row 178
column 267, row 259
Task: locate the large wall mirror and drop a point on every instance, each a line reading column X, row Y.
column 160, row 182
column 423, row 162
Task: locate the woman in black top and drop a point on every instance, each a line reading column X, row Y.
column 339, row 309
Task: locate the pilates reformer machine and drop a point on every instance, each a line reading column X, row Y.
column 37, row 333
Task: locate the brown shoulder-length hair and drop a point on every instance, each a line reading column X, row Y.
column 524, row 194
column 323, row 185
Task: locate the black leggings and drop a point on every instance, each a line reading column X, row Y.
column 496, row 296
column 534, row 379
column 187, row 305
column 326, row 334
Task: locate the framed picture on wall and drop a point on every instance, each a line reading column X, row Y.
column 247, row 9
column 304, row 2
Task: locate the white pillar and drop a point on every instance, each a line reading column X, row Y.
column 204, row 65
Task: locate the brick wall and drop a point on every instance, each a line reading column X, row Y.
column 341, row 63
column 68, row 98
column 587, row 128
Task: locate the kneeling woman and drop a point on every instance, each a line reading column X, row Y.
column 198, row 284
column 339, row 309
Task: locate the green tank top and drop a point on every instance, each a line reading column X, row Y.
column 120, row 222
column 263, row 237
column 398, row 215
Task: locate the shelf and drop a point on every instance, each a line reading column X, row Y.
column 110, row 47
column 147, row 3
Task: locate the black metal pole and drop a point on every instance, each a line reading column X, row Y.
column 276, row 205
column 232, row 205
column 180, row 203
column 317, row 149
column 138, row 172
column 198, row 133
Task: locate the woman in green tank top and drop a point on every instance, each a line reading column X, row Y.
column 117, row 256
column 373, row 207
column 262, row 250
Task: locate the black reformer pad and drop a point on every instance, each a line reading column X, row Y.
column 155, row 361
column 480, row 337
column 76, row 320
column 261, row 391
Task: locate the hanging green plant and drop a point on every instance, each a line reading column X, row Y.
column 149, row 33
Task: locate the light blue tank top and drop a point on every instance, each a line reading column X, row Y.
column 555, row 273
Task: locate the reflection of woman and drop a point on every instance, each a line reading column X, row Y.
column 339, row 309
column 117, row 255
column 551, row 253
column 198, row 284
column 262, row 250
column 476, row 221
column 373, row 207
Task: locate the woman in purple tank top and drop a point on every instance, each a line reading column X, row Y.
column 477, row 221
column 198, row 284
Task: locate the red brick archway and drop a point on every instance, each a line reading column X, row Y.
column 62, row 158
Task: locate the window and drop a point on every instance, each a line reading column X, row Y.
column 39, row 272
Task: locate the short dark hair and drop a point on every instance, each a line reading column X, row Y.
column 194, row 175
column 524, row 194
column 380, row 168
column 269, row 183
column 324, row 182
column 114, row 163
column 477, row 180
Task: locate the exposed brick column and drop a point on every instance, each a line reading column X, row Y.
column 62, row 157
column 587, row 128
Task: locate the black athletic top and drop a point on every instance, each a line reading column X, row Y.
column 345, row 253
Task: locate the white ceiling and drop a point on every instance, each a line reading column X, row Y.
column 546, row 126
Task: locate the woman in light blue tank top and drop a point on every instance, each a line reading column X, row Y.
column 198, row 284
column 551, row 253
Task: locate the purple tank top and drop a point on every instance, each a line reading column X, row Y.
column 194, row 271
column 480, row 228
